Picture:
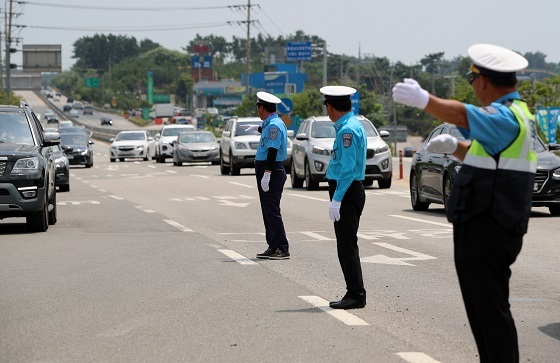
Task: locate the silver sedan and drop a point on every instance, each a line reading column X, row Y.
column 196, row 146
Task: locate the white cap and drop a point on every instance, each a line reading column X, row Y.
column 267, row 97
column 496, row 59
column 337, row 91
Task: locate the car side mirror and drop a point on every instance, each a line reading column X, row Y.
column 552, row 147
column 384, row 134
column 51, row 139
column 150, row 138
column 157, row 136
column 112, row 139
column 226, row 134
column 302, row 136
column 290, row 133
column 91, row 142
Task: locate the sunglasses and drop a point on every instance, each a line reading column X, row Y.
column 471, row 76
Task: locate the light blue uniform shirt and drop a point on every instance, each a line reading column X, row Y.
column 274, row 135
column 348, row 158
column 494, row 126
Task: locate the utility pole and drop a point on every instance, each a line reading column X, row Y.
column 8, row 34
column 248, row 50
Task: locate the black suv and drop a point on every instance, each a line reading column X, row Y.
column 27, row 171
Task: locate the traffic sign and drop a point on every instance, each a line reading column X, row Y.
column 91, row 82
column 286, row 106
column 298, row 51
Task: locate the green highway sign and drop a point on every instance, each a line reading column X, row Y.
column 92, row 82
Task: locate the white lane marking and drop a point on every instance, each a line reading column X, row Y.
column 151, row 166
column 308, row 197
column 102, row 190
column 116, row 197
column 420, row 220
column 417, row 357
column 417, row 256
column 233, row 204
column 317, row 236
column 177, row 225
column 171, row 171
column 143, row 209
column 94, row 186
column 78, row 202
column 240, row 259
column 201, row 176
column 242, row 185
column 342, row 315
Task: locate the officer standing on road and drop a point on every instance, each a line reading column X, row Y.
column 491, row 199
column 345, row 173
column 271, row 176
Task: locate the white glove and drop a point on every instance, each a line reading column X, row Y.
column 444, row 143
column 265, row 180
column 411, row 94
column 334, row 211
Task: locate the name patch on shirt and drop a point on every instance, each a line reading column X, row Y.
column 273, row 134
column 347, row 139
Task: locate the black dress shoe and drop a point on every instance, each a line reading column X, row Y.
column 266, row 254
column 348, row 303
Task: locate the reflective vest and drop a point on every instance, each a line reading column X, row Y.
column 501, row 184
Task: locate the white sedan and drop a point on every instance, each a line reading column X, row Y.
column 131, row 144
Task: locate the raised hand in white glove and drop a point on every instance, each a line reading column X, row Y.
column 410, row 93
column 265, row 180
column 334, row 211
column 444, row 143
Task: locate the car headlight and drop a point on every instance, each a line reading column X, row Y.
column 183, row 147
column 382, row 149
column 214, row 148
column 240, row 145
column 60, row 162
column 320, row 151
column 113, row 148
column 140, row 147
column 26, row 166
column 556, row 174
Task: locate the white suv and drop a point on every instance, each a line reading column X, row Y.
column 311, row 153
column 238, row 146
column 164, row 139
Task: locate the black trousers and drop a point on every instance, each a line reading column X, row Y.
column 270, row 206
column 484, row 252
column 346, row 231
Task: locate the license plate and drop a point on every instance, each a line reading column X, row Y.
column 127, row 154
column 200, row 154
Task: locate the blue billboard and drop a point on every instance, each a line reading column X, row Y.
column 201, row 62
column 296, row 51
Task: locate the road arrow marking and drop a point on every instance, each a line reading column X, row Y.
column 233, row 204
column 396, row 260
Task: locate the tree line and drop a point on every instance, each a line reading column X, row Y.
column 122, row 62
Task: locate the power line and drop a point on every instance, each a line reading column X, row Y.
column 159, row 8
column 132, row 28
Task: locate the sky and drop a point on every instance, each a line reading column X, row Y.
column 401, row 30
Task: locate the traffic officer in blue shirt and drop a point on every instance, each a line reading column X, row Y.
column 345, row 173
column 271, row 176
column 491, row 199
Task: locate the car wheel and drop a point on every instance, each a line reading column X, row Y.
column 121, row 159
column 296, row 181
column 554, row 210
column 447, row 189
column 310, row 184
column 367, row 182
column 417, row 205
column 52, row 212
column 38, row 221
column 235, row 170
column 224, row 169
column 384, row 183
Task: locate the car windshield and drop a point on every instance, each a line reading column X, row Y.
column 539, row 145
column 241, row 128
column 15, row 129
column 323, row 130
column 73, row 139
column 174, row 131
column 368, row 127
column 197, row 137
column 131, row 136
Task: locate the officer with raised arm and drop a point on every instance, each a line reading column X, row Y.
column 491, row 199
